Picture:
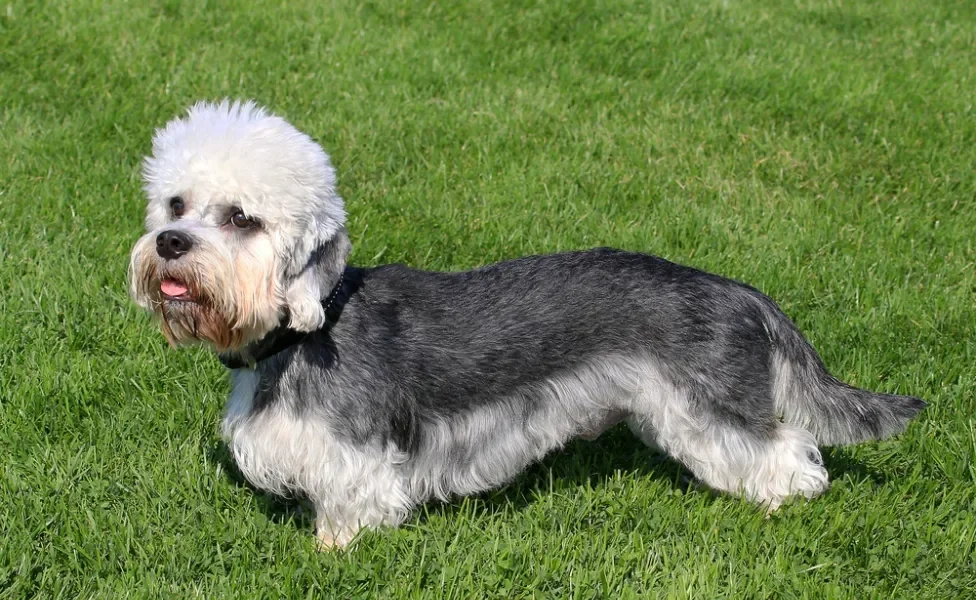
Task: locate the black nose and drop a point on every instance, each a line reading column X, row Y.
column 173, row 244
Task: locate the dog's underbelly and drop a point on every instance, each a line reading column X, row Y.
column 284, row 450
column 489, row 445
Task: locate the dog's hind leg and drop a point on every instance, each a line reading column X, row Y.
column 752, row 454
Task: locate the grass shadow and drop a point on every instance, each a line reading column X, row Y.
column 841, row 464
column 280, row 510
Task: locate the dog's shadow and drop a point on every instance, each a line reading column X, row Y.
column 580, row 464
column 586, row 464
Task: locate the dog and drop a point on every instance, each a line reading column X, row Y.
column 369, row 391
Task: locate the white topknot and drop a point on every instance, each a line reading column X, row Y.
column 240, row 151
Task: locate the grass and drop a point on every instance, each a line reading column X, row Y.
column 822, row 151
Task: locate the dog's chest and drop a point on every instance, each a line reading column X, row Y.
column 275, row 448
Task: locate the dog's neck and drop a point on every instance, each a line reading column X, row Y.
column 283, row 337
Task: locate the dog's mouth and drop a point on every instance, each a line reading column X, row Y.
column 175, row 290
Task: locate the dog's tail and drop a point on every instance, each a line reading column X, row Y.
column 808, row 396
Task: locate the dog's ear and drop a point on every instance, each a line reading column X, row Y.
column 307, row 285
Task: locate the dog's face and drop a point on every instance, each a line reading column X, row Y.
column 241, row 205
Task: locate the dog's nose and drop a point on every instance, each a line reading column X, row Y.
column 173, row 244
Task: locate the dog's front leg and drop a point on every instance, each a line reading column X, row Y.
column 371, row 496
column 336, row 526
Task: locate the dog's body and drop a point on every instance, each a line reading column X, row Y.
column 408, row 385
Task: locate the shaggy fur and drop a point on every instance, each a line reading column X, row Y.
column 428, row 384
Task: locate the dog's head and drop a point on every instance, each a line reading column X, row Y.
column 244, row 227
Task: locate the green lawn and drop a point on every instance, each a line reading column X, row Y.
column 822, row 151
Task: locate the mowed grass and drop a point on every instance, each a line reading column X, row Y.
column 821, row 151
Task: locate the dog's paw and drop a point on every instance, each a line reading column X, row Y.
column 328, row 540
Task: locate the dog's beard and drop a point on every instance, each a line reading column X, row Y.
column 226, row 304
column 186, row 322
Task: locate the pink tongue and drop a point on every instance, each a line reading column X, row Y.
column 171, row 287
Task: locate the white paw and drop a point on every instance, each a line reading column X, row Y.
column 330, row 540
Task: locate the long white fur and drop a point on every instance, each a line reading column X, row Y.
column 283, row 452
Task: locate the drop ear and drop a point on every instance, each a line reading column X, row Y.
column 314, row 282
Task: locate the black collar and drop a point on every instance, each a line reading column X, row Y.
column 283, row 337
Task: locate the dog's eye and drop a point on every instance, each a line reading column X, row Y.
column 176, row 206
column 239, row 220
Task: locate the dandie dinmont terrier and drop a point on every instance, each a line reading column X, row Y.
column 372, row 390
